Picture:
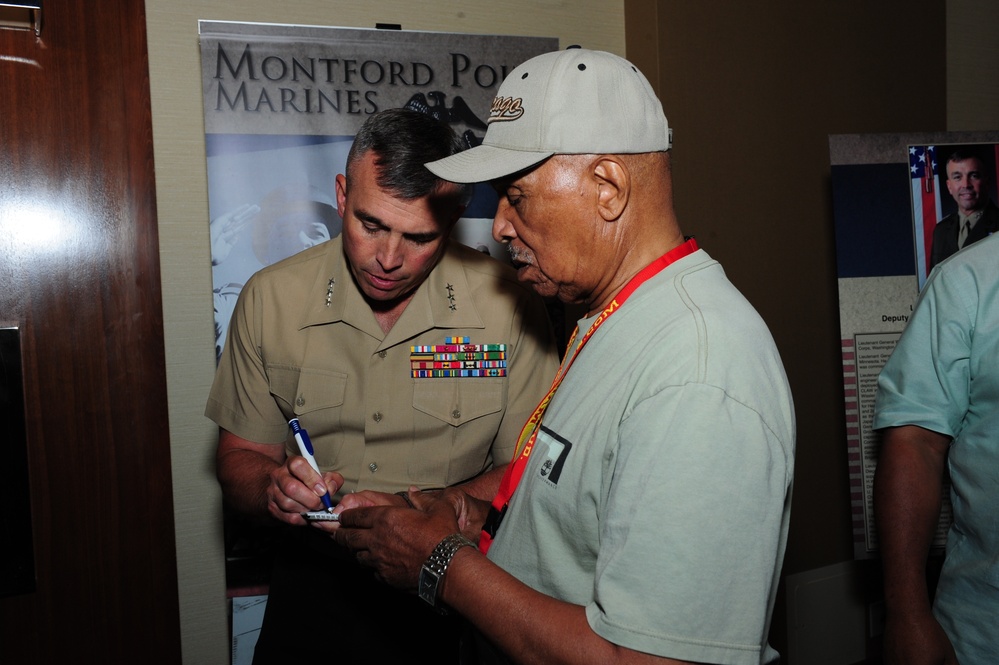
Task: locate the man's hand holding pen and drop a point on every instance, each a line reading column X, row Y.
column 295, row 488
column 297, row 485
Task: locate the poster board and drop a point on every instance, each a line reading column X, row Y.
column 889, row 192
column 282, row 104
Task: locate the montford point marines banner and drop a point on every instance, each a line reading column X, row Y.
column 282, row 79
column 889, row 193
column 282, row 104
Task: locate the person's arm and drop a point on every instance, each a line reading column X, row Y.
column 259, row 481
column 907, row 496
column 475, row 496
column 528, row 626
column 486, row 485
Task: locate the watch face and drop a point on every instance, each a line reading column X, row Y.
column 428, row 586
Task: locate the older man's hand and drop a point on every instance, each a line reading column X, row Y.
column 396, row 541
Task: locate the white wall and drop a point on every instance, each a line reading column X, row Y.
column 178, row 137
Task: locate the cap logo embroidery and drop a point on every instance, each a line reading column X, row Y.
column 505, row 109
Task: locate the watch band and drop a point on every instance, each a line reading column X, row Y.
column 436, row 565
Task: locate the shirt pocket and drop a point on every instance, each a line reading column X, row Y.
column 458, row 401
column 455, row 424
column 317, row 397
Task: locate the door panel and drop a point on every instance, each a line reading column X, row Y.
column 79, row 277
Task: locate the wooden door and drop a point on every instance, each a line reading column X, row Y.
column 79, row 278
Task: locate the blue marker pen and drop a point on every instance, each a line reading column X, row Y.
column 305, row 447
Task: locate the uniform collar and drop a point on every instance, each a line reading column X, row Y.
column 444, row 300
column 972, row 218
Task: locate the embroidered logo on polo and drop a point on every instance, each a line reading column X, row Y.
column 457, row 357
column 556, row 452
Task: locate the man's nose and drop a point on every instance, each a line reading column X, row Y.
column 390, row 253
column 502, row 228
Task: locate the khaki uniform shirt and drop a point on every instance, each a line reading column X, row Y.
column 304, row 343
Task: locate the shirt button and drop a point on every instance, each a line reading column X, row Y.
column 300, row 401
column 377, row 415
column 456, row 414
column 373, row 467
column 382, row 354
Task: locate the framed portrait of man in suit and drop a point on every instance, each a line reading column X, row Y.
column 954, row 193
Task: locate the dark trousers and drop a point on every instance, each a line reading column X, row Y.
column 322, row 606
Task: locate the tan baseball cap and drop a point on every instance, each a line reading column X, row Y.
column 567, row 102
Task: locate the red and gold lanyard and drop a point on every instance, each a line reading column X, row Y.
column 529, row 434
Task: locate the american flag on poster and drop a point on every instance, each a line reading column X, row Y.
column 924, row 171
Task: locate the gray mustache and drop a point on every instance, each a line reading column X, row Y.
column 518, row 255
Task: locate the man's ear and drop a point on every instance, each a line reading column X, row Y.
column 341, row 194
column 613, row 180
